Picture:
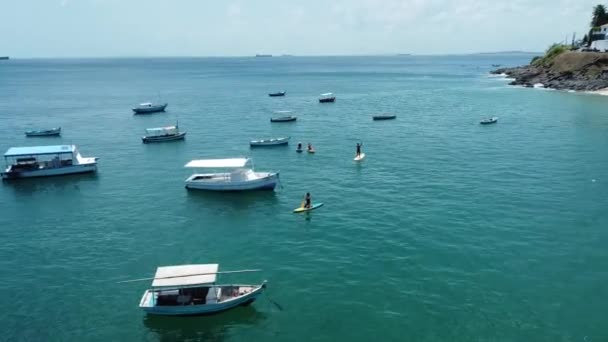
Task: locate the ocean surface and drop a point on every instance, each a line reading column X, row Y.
column 448, row 231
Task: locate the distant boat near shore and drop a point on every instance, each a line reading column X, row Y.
column 262, row 55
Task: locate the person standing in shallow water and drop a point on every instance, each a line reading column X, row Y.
column 359, row 149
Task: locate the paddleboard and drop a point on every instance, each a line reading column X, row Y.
column 360, row 157
column 311, row 151
column 302, row 209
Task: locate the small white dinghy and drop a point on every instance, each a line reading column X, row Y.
column 269, row 142
column 187, row 290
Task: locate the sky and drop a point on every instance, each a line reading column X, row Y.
column 131, row 28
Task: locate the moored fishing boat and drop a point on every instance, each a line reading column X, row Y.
column 160, row 134
column 285, row 116
column 384, row 117
column 327, row 97
column 278, row 93
column 239, row 178
column 45, row 161
column 488, row 121
column 269, row 142
column 186, row 290
column 148, row 107
column 44, row 133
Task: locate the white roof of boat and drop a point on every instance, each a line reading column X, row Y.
column 327, row 94
column 145, row 104
column 210, row 163
column 39, row 150
column 184, row 275
column 283, row 111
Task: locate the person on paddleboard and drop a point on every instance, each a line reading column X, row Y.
column 359, row 149
column 310, row 147
column 299, row 146
column 307, row 201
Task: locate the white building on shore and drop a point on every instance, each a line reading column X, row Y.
column 600, row 34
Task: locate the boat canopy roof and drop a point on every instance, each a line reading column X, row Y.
column 283, row 111
column 327, row 94
column 161, row 130
column 145, row 104
column 185, row 275
column 39, row 150
column 218, row 163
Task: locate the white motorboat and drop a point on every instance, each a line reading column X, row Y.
column 239, row 178
column 44, row 161
column 327, row 97
column 187, row 290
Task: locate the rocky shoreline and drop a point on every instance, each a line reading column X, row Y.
column 580, row 71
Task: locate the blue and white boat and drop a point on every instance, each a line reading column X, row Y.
column 148, row 107
column 269, row 142
column 241, row 177
column 45, row 161
column 187, row 290
column 44, row 133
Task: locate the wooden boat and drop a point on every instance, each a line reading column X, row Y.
column 279, row 93
column 489, row 121
column 240, row 178
column 327, row 97
column 160, row 134
column 269, row 142
column 384, row 117
column 148, row 107
column 44, row 133
column 188, row 290
column 45, row 161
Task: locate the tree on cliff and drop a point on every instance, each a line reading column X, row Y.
column 600, row 16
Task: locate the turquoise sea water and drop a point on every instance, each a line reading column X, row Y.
column 448, row 231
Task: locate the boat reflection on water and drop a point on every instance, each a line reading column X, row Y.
column 26, row 187
column 238, row 200
column 215, row 327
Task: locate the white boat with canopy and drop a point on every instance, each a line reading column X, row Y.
column 327, row 97
column 159, row 134
column 240, row 178
column 185, row 290
column 45, row 161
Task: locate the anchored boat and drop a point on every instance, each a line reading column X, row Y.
column 279, row 93
column 327, row 97
column 44, row 161
column 285, row 116
column 186, row 290
column 384, row 117
column 269, row 142
column 240, row 178
column 160, row 134
column 44, row 133
column 148, row 107
column 489, row 121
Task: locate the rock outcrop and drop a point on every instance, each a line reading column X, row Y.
column 581, row 71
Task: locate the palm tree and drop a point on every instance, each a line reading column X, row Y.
column 600, row 16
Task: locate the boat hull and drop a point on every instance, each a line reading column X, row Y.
column 174, row 137
column 384, row 117
column 47, row 133
column 264, row 143
column 266, row 181
column 327, row 100
column 285, row 119
column 277, row 94
column 50, row 172
column 205, row 309
column 153, row 109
